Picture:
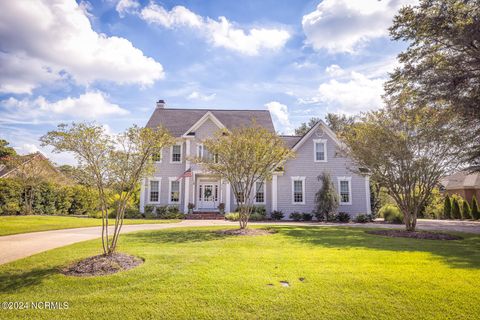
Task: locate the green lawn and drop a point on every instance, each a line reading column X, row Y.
column 22, row 224
column 198, row 274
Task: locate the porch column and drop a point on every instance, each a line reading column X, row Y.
column 367, row 194
column 186, row 197
column 227, row 197
column 274, row 192
column 142, row 196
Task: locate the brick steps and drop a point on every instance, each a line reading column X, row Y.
column 205, row 216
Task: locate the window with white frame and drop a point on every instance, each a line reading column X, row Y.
column 154, row 191
column 176, row 153
column 157, row 156
column 320, row 150
column 199, row 150
column 174, row 193
column 345, row 190
column 259, row 192
column 204, row 154
column 298, row 190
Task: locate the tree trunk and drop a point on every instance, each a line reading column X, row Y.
column 410, row 220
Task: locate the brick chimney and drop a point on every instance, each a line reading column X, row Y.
column 161, row 104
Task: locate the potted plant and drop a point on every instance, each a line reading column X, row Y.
column 221, row 208
column 190, row 207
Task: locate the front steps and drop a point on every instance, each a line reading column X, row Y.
column 205, row 215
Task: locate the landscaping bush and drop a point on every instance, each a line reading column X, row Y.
column 447, row 208
column 169, row 212
column 132, row 213
column 456, row 211
column 10, row 197
column 232, row 216
column 361, row 218
column 326, row 199
column 277, row 215
column 256, row 217
column 260, row 210
column 391, row 214
column 466, row 212
column 342, row 217
column 307, row 216
column 435, row 206
column 296, row 216
column 475, row 209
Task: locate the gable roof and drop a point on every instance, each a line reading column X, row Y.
column 309, row 133
column 5, row 170
column 462, row 180
column 178, row 121
column 290, row 141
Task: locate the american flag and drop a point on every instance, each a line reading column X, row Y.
column 186, row 174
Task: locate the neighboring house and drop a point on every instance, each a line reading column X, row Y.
column 32, row 165
column 178, row 181
column 463, row 183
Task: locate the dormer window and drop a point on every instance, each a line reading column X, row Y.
column 320, row 150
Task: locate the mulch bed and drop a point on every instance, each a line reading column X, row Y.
column 102, row 265
column 247, row 232
column 415, row 234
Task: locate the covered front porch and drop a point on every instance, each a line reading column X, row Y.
column 207, row 193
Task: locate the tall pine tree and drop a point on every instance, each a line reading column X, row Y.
column 466, row 213
column 475, row 209
column 456, row 212
column 447, row 208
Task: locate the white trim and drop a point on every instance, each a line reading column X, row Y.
column 324, row 141
column 227, row 196
column 169, row 200
column 142, row 195
column 349, row 179
column 181, row 153
column 187, row 194
column 264, row 192
column 196, row 125
column 187, row 154
column 303, row 190
column 159, row 190
column 274, row 192
column 367, row 194
column 326, row 129
column 197, row 153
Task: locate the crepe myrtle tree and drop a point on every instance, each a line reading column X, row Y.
column 244, row 156
column 407, row 150
column 115, row 163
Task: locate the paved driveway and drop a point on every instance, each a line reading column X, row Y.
column 19, row 246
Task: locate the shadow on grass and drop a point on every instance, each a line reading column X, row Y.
column 12, row 282
column 180, row 236
column 457, row 253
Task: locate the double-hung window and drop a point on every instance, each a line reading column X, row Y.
column 298, row 190
column 176, row 153
column 174, row 192
column 345, row 190
column 320, row 150
column 154, row 191
column 259, row 192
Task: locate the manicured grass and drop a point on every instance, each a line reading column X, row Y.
column 198, row 274
column 23, row 224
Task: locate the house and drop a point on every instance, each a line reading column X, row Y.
column 463, row 183
column 178, row 181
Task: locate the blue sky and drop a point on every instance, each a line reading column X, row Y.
column 109, row 61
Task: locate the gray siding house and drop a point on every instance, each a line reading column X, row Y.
column 178, row 181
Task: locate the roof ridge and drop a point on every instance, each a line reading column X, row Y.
column 201, row 109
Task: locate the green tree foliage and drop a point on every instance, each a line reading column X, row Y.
column 475, row 209
column 110, row 163
column 10, row 197
column 447, row 208
column 244, row 156
column 305, row 126
column 441, row 65
column 456, row 211
column 406, row 150
column 338, row 122
column 6, row 151
column 326, row 199
column 466, row 211
column 434, row 207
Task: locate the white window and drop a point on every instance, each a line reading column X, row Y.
column 174, row 190
column 199, row 150
column 298, row 190
column 320, row 150
column 345, row 190
column 176, row 153
column 157, row 156
column 259, row 192
column 204, row 154
column 154, row 191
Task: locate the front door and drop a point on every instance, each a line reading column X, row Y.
column 207, row 196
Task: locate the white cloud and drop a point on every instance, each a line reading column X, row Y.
column 195, row 95
column 90, row 105
column 281, row 115
column 348, row 92
column 28, row 148
column 221, row 32
column 345, row 25
column 45, row 40
column 126, row 6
